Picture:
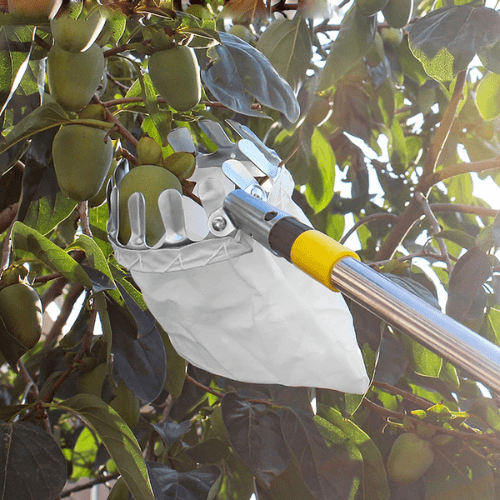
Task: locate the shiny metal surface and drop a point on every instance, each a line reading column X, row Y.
column 252, row 215
column 425, row 324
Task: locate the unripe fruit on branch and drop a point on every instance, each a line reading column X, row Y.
column 148, row 151
column 77, row 35
column 81, row 160
column 100, row 197
column 181, row 164
column 151, row 181
column 74, row 78
column 175, row 73
column 21, row 312
column 370, row 7
column 398, row 13
column 409, row 459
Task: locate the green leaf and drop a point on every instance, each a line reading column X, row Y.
column 319, row 189
column 32, row 464
column 375, row 484
column 488, row 96
column 176, row 367
column 29, row 243
column 16, row 44
column 422, row 360
column 287, row 44
column 352, row 43
column 397, row 148
column 118, row 440
column 84, row 454
column 43, row 215
column 48, row 115
column 447, row 39
column 490, row 57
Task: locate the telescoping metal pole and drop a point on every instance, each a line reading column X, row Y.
column 339, row 269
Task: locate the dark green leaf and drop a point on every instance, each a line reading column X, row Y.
column 287, row 45
column 139, row 355
column 209, row 451
column 33, row 467
column 169, row 484
column 447, row 39
column 118, row 440
column 238, row 73
column 171, row 431
column 329, row 472
column 255, row 435
column 466, row 281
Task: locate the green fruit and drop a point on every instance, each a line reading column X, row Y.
column 148, row 151
column 126, row 405
column 176, row 75
column 120, row 491
column 409, row 459
column 92, row 382
column 181, row 164
column 21, row 312
column 77, row 35
column 93, row 112
column 398, row 13
column 81, row 160
column 319, row 111
column 100, row 197
column 392, row 36
column 151, row 181
column 370, row 7
column 73, row 78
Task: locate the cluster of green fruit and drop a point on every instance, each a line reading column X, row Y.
column 21, row 314
column 151, row 177
column 397, row 13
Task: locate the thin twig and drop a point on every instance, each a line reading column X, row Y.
column 83, row 213
column 466, row 209
column 88, row 485
column 366, row 220
column 424, row 255
column 405, row 394
column 436, row 228
column 193, row 381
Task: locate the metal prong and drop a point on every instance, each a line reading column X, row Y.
column 253, row 153
column 181, row 140
column 137, row 214
column 172, row 214
column 196, row 220
column 212, row 194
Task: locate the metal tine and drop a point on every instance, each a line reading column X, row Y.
column 121, row 171
column 137, row 214
column 181, row 140
column 255, row 155
column 238, row 173
column 212, row 195
column 172, row 214
column 246, row 133
column 216, row 133
column 113, row 210
column 196, row 220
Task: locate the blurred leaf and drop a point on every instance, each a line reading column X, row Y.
column 255, row 435
column 447, row 39
column 319, row 189
column 466, row 281
column 28, row 244
column 352, row 43
column 238, row 73
column 488, row 96
column 490, row 57
column 287, row 45
column 176, row 367
column 118, row 440
column 171, row 431
column 33, row 467
column 245, row 9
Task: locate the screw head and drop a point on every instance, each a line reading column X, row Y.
column 257, row 192
column 219, row 223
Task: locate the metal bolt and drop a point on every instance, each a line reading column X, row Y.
column 258, row 192
column 219, row 223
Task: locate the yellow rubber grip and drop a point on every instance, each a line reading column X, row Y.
column 316, row 254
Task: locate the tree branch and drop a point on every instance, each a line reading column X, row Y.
column 366, row 220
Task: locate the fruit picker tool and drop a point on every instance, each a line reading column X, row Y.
column 233, row 185
column 340, row 269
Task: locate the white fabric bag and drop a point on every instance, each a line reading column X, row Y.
column 233, row 308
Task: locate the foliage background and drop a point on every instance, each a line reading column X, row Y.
column 202, row 436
